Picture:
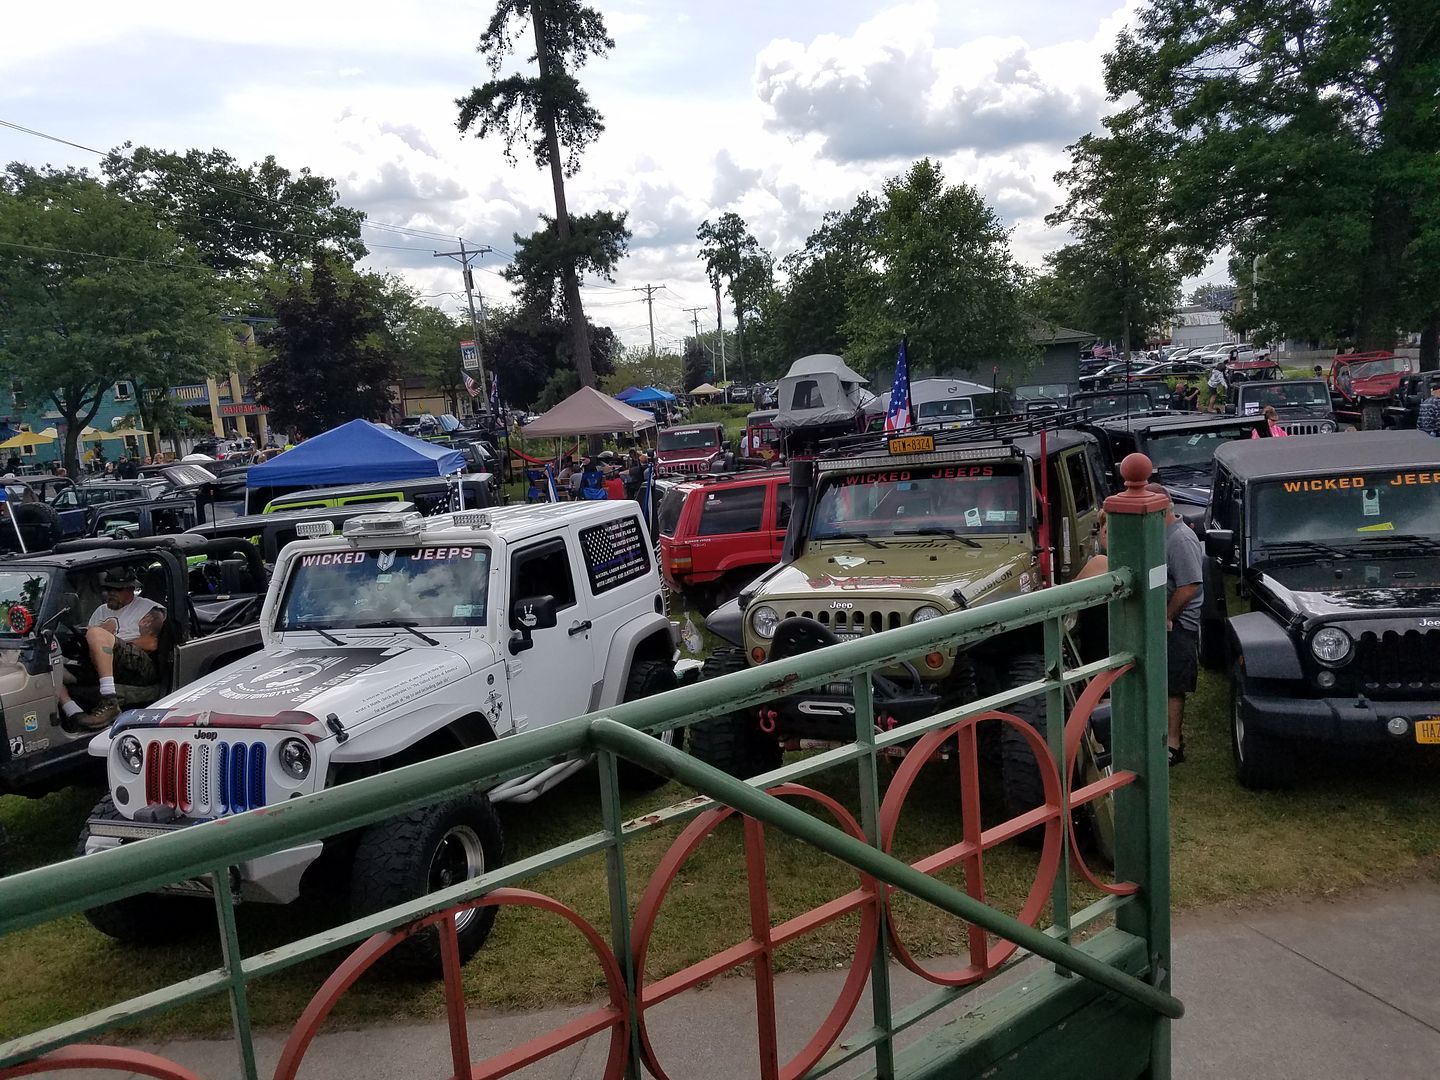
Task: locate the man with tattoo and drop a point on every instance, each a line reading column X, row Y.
column 122, row 637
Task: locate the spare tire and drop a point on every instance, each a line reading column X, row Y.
column 39, row 525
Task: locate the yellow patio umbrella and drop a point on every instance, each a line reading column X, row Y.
column 26, row 440
column 85, row 433
column 126, row 433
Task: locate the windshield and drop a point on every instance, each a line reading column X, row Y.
column 970, row 499
column 689, row 439
column 21, row 594
column 949, row 409
column 1116, row 404
column 1286, row 395
column 431, row 586
column 668, row 517
column 1190, row 449
column 1350, row 507
column 1058, row 390
column 1385, row 365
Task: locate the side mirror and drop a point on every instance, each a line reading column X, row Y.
column 1220, row 545
column 528, row 614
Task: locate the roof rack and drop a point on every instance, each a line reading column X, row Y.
column 1001, row 431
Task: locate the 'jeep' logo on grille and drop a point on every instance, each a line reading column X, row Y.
column 1430, row 622
column 841, row 605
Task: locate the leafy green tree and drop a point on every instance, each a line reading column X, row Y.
column 595, row 245
column 1301, row 132
column 93, row 289
column 239, row 215
column 1116, row 209
column 427, row 342
column 636, row 367
column 528, row 348
column 333, row 356
column 735, row 257
column 1214, row 297
column 550, row 114
column 941, row 273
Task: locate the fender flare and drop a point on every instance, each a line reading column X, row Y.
column 624, row 646
column 1265, row 647
column 395, row 737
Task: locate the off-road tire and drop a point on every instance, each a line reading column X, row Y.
column 1021, row 788
column 149, row 918
column 648, row 678
column 393, row 865
column 1372, row 417
column 733, row 743
column 1262, row 762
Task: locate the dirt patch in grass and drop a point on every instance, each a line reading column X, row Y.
column 1350, row 823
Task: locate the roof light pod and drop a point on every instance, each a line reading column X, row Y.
column 384, row 526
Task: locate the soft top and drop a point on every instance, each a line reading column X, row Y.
column 1164, row 422
column 1304, row 455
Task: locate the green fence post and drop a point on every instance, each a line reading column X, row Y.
column 1055, row 736
column 1138, row 725
column 614, row 825
column 869, row 765
column 232, row 959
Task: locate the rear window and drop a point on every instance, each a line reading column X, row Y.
column 668, row 516
column 732, row 510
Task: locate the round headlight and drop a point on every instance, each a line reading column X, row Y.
column 130, row 753
column 295, row 758
column 1331, row 645
column 926, row 613
column 764, row 620
column 1326, row 428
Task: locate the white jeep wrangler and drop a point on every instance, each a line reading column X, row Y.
column 400, row 640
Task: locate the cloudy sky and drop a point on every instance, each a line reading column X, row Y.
column 779, row 111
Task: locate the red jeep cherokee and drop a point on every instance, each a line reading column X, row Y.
column 689, row 449
column 717, row 534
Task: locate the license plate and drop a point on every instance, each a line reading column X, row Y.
column 912, row 444
column 1428, row 731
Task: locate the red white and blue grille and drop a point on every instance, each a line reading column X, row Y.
column 206, row 779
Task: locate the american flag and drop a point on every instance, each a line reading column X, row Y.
column 897, row 418
column 494, row 394
column 470, row 386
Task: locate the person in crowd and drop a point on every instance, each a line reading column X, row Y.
column 1319, row 372
column 1428, row 419
column 122, row 638
column 592, row 481
column 1272, row 420
column 1185, row 597
column 12, row 464
column 1218, row 381
column 614, row 484
column 634, row 474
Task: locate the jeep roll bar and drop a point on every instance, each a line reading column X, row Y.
column 180, row 544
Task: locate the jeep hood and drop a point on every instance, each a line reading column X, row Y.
column 299, row 688
column 937, row 569
column 1385, row 598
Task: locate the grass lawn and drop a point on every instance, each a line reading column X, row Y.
column 1349, row 824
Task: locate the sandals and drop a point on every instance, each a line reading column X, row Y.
column 1177, row 753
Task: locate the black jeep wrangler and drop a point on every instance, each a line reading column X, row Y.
column 1335, row 543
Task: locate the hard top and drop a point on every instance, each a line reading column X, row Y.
column 697, row 426
column 1261, row 384
column 1311, row 455
column 742, row 476
column 1000, row 438
column 521, row 521
column 249, row 523
column 380, row 486
column 1162, row 423
column 761, row 416
column 1138, row 388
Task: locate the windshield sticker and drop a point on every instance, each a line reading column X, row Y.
column 972, row 517
column 1383, row 526
column 1351, row 483
column 334, row 558
column 1370, row 503
column 999, row 515
column 1251, row 407
column 900, row 476
column 1195, row 440
column 462, row 611
column 615, row 553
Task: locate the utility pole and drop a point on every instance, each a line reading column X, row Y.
column 694, row 313
column 720, row 326
column 649, row 291
column 463, row 257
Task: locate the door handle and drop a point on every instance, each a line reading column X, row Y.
column 579, row 628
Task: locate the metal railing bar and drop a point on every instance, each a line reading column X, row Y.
column 764, row 807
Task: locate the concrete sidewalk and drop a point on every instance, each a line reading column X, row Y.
column 1348, row 990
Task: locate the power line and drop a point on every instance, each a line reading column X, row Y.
column 650, row 291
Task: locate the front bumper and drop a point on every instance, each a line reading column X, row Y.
column 828, row 712
column 268, row 879
column 1337, row 720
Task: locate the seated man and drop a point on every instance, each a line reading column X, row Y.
column 122, row 636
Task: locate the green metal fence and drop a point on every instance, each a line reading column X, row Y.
column 1122, row 989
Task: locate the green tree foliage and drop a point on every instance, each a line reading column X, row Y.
column 1116, row 209
column 529, row 348
column 1214, row 297
column 94, row 289
column 734, row 257
column 1304, row 132
column 426, row 341
column 550, row 114
column 636, row 367
column 596, row 245
column 332, row 353
column 238, row 216
column 939, row 271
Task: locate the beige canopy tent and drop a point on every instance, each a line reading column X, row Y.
column 588, row 412
column 706, row 390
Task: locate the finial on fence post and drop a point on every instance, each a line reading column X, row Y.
column 1136, row 471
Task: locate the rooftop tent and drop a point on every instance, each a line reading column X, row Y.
column 650, row 395
column 588, row 412
column 820, row 390
column 355, row 453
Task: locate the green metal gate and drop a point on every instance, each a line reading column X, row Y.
column 1100, row 1008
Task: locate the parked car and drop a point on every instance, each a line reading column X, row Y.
column 1133, row 400
column 1057, row 392
column 1334, row 542
column 1301, row 405
column 433, row 495
column 693, row 448
column 1362, row 385
column 717, row 534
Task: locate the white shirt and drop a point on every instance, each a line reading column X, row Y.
column 126, row 620
column 1217, row 378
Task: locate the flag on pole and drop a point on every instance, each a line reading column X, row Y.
column 897, row 417
column 550, row 483
column 494, row 394
column 470, row 385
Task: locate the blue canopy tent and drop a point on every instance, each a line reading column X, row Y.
column 628, row 393
column 649, row 396
column 355, row 453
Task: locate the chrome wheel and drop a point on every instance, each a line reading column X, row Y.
column 458, row 857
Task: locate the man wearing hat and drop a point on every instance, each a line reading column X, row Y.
column 122, row 637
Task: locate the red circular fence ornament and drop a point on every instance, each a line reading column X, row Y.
column 21, row 619
column 760, row 949
column 117, row 1059
column 615, row 1016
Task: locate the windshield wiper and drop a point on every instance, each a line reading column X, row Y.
column 327, row 636
column 398, row 624
column 852, row 536
column 1426, row 544
column 1289, row 548
column 938, row 530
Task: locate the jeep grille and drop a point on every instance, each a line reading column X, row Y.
column 1395, row 664
column 856, row 621
column 206, row 780
column 1307, row 427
